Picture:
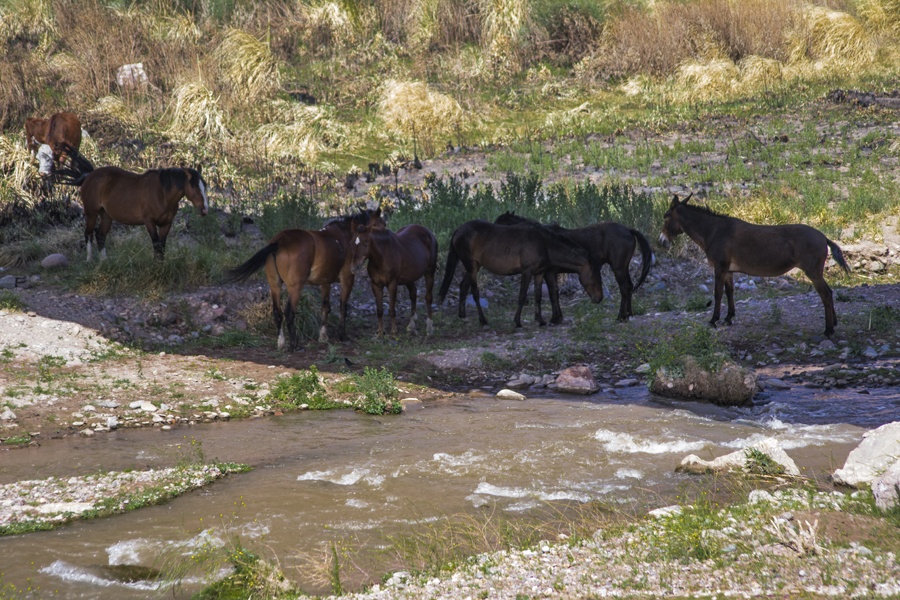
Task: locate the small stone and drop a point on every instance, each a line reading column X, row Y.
column 7, row 415
column 626, row 382
column 644, row 368
column 86, row 433
column 507, row 394
column 8, row 282
column 55, row 261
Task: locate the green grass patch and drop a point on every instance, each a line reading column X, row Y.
column 699, row 341
column 289, row 393
column 10, row 301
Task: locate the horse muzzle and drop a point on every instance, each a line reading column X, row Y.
column 664, row 241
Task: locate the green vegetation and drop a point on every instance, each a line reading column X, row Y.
column 10, row 301
column 760, row 463
column 292, row 391
column 379, row 392
column 699, row 341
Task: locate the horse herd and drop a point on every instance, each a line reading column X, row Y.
column 512, row 245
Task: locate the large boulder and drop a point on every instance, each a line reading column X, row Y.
column 731, row 385
column 743, row 460
column 878, row 451
column 577, row 380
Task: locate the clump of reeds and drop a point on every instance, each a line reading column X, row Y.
column 27, row 19
column 881, row 15
column 831, row 38
column 412, row 110
column 248, row 65
column 328, row 26
column 196, row 114
column 504, row 24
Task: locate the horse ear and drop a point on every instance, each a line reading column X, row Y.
column 685, row 201
column 675, row 202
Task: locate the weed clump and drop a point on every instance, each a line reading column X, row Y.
column 301, row 388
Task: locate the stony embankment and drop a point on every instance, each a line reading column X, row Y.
column 38, row 504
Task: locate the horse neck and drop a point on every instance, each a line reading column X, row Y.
column 700, row 226
column 565, row 255
column 379, row 239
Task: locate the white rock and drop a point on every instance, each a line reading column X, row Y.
column 54, row 261
column 506, row 394
column 879, row 449
column 738, row 460
column 7, row 415
column 886, row 487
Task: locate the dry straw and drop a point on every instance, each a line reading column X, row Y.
column 196, row 114
column 27, row 18
column 505, row 23
column 299, row 131
column 19, row 170
column 831, row 39
column 881, row 15
column 248, row 65
column 412, row 110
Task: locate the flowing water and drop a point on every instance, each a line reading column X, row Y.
column 322, row 476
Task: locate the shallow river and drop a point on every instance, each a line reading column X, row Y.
column 323, row 476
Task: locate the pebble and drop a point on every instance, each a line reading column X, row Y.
column 507, row 394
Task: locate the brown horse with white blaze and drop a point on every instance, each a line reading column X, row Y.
column 396, row 259
column 149, row 199
column 296, row 257
column 735, row 246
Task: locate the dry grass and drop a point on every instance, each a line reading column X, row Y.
column 881, row 15
column 412, row 110
column 248, row 66
column 196, row 114
column 504, row 24
column 831, row 38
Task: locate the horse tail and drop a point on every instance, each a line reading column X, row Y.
column 647, row 258
column 253, row 264
column 77, row 170
column 838, row 255
column 449, row 270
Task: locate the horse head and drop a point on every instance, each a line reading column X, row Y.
column 361, row 227
column 195, row 190
column 672, row 226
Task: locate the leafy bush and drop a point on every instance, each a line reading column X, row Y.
column 301, row 388
column 698, row 341
column 379, row 392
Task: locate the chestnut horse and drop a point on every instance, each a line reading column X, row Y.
column 394, row 259
column 606, row 243
column 529, row 250
column 735, row 246
column 149, row 199
column 60, row 129
column 295, row 257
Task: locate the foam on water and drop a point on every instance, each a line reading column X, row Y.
column 75, row 573
column 467, row 458
column 626, row 473
column 629, row 444
column 487, row 489
column 352, row 477
column 794, row 436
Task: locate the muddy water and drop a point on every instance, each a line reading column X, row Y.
column 323, row 476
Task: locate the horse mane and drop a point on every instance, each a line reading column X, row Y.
column 172, row 178
column 706, row 210
column 360, row 218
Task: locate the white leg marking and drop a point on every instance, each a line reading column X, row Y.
column 323, row 334
column 281, row 338
column 103, row 254
column 429, row 327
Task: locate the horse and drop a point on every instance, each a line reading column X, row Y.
column 149, row 198
column 60, row 129
column 295, row 257
column 526, row 249
column 400, row 258
column 735, row 246
column 606, row 243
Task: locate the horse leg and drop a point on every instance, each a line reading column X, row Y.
column 429, row 284
column 155, row 239
column 626, row 289
column 553, row 292
column 293, row 300
column 324, row 311
column 347, row 280
column 476, row 296
column 163, row 236
column 524, row 280
column 277, row 313
column 464, row 284
column 105, row 225
column 729, row 292
column 717, row 297
column 538, row 292
column 378, row 292
column 828, row 302
column 411, row 328
column 90, row 222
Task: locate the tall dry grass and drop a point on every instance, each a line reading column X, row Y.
column 248, row 66
column 418, row 114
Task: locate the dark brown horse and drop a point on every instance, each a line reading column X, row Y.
column 606, row 243
column 60, row 129
column 735, row 246
column 527, row 250
column 296, row 257
column 394, row 259
column 149, row 198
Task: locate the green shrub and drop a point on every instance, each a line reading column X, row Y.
column 698, row 341
column 379, row 392
column 290, row 392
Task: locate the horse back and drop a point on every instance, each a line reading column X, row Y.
column 63, row 128
column 768, row 250
column 501, row 249
column 124, row 195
